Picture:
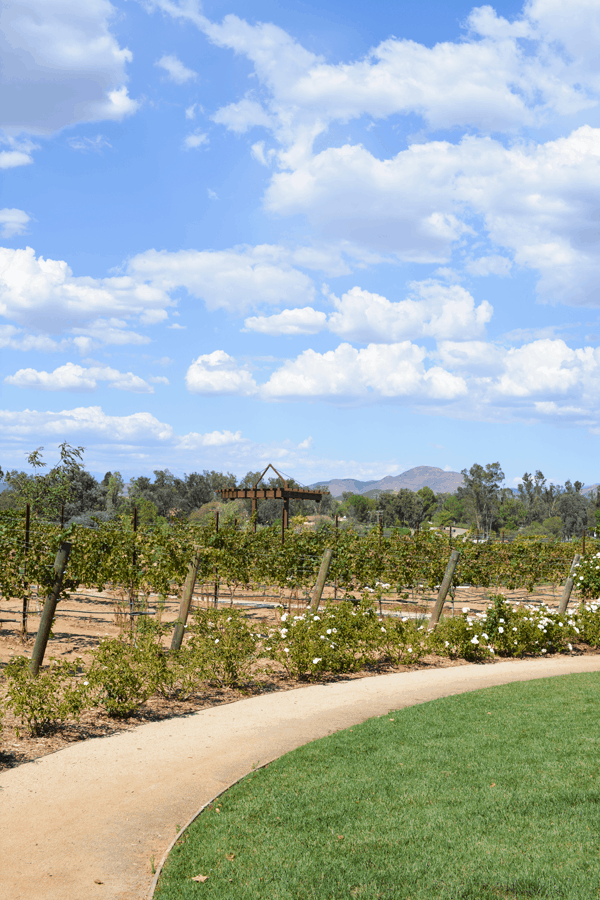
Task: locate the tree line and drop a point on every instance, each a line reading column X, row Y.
column 68, row 492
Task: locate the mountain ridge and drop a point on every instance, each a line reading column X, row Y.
column 439, row 480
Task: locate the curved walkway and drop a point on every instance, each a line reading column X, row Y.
column 85, row 822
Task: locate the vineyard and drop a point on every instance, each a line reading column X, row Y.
column 250, row 621
column 155, row 561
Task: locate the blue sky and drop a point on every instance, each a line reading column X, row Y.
column 344, row 238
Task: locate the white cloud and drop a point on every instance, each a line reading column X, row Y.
column 541, row 202
column 435, row 310
column 61, row 65
column 502, row 76
column 489, row 265
column 305, row 320
column 548, row 367
column 87, row 421
column 218, row 373
column 72, row 377
column 13, row 222
column 17, row 339
column 86, row 144
column 388, row 206
column 190, row 112
column 236, row 279
column 193, row 440
column 239, row 117
column 175, row 69
column 375, row 372
column 195, row 140
column 19, row 153
column 439, row 311
column 158, row 379
column 537, row 202
column 45, row 295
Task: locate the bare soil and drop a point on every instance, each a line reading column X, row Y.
column 89, row 615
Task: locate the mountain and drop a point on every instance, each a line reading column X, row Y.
column 438, row 480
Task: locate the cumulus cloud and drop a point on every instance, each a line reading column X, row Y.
column 535, row 202
column 194, row 441
column 500, row 76
column 540, row 202
column 45, row 295
column 435, row 310
column 239, row 117
column 72, row 377
column 377, row 371
column 13, row 222
column 18, row 154
column 236, row 279
column 61, row 65
column 304, row 320
column 219, row 373
column 195, row 140
column 489, row 265
column 175, row 69
column 90, row 421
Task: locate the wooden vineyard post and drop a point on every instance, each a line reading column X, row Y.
column 321, row 579
column 444, row 588
column 335, row 584
column 25, row 583
column 134, row 564
column 186, row 601
column 566, row 596
column 216, row 594
column 60, row 564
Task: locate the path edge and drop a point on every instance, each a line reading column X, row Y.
column 190, row 821
column 198, row 813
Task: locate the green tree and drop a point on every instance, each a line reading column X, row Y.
column 47, row 491
column 480, row 491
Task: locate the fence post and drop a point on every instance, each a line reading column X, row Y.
column 444, row 588
column 186, row 601
column 322, row 578
column 566, row 596
column 60, row 564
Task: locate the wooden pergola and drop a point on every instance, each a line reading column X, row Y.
column 284, row 493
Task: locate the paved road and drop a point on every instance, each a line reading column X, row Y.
column 98, row 811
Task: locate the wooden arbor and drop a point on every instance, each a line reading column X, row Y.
column 284, row 493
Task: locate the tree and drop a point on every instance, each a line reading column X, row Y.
column 480, row 490
column 573, row 510
column 47, row 491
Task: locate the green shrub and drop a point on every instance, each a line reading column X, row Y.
column 45, row 700
column 339, row 638
column 123, row 674
column 506, row 630
column 222, row 645
column 460, row 637
column 587, row 576
column 587, row 620
column 404, row 641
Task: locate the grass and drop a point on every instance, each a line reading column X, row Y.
column 492, row 794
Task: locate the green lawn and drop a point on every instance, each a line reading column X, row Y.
column 493, row 794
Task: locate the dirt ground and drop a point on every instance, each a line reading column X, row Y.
column 89, row 615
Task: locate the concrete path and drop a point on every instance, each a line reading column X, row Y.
column 86, row 821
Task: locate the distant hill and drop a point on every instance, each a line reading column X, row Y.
column 438, row 480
